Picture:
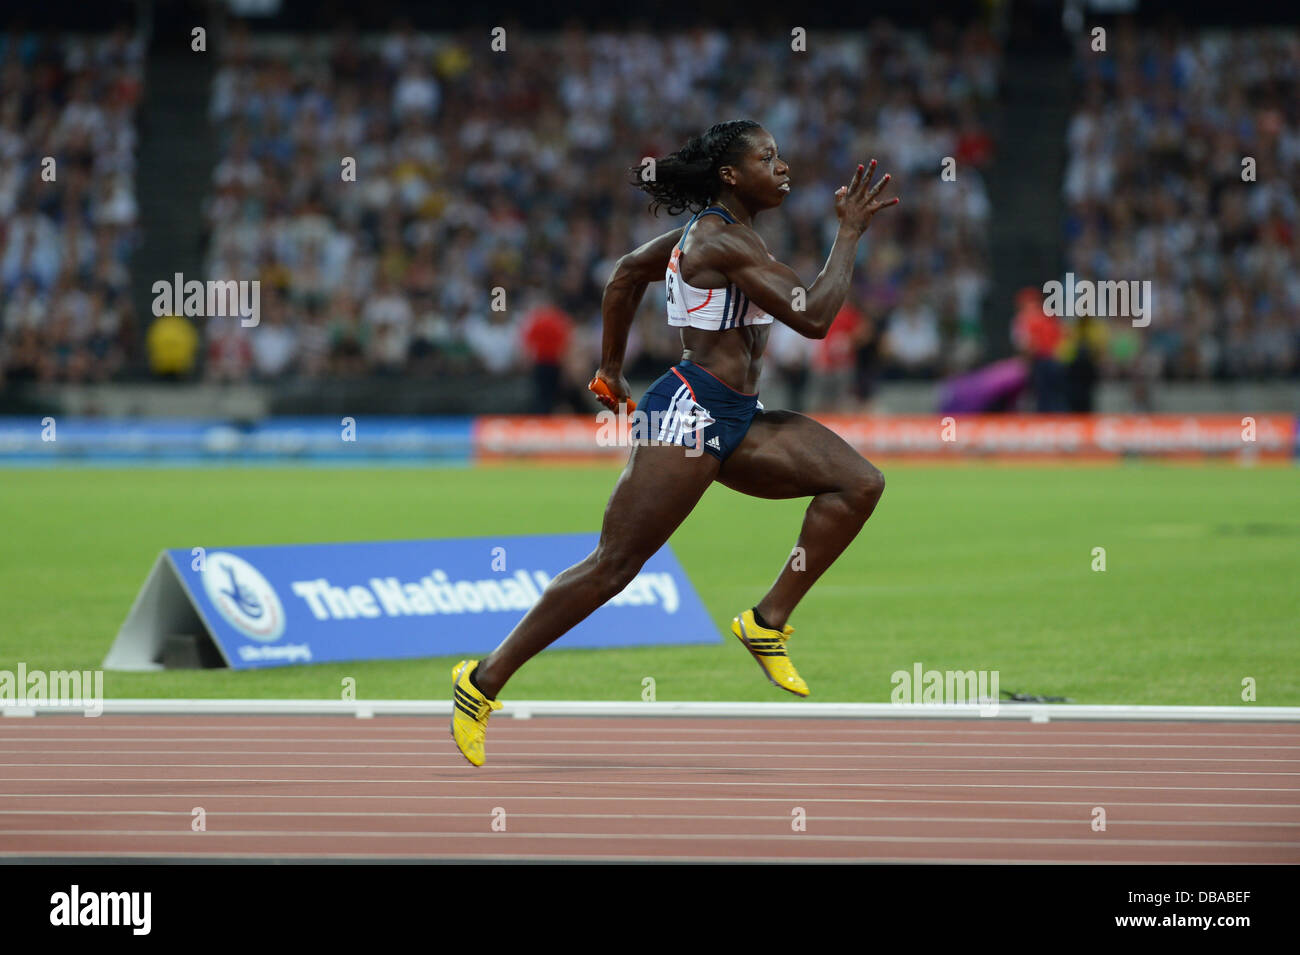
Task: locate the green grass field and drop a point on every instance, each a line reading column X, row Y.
column 961, row 568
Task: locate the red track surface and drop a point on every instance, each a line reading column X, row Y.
column 633, row 789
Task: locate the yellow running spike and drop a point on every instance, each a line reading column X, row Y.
column 768, row 648
column 470, row 710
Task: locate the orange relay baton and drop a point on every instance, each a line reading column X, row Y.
column 598, row 386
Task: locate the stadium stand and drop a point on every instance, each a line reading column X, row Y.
column 391, row 274
column 1158, row 187
column 472, row 176
column 68, row 211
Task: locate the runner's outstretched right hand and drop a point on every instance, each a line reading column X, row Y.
column 854, row 203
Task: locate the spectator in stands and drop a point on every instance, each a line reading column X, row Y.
column 911, row 341
column 1038, row 336
column 493, row 338
column 173, row 346
column 869, row 343
column 388, row 316
column 229, row 356
column 1082, row 353
column 834, row 360
column 546, row 333
column 274, row 340
column 790, row 355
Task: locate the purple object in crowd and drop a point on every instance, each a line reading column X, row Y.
column 994, row 387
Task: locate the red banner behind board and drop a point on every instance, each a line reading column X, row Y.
column 1248, row 437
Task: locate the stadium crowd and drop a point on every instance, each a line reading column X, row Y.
column 67, row 204
column 477, row 171
column 418, row 205
column 1184, row 156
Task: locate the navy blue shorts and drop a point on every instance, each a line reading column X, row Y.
column 688, row 406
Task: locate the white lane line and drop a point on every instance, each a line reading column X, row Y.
column 526, row 856
column 783, row 801
column 367, row 746
column 761, row 746
column 352, row 727
column 604, row 767
column 695, row 837
column 506, row 751
column 552, row 783
column 730, row 817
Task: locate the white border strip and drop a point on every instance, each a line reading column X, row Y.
column 526, row 709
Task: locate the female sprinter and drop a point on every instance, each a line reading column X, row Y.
column 724, row 289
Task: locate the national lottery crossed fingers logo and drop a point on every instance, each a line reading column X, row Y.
column 243, row 596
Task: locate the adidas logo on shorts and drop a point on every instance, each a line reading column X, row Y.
column 714, row 443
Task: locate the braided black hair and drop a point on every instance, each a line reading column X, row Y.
column 688, row 178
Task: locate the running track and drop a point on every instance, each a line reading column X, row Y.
column 619, row 789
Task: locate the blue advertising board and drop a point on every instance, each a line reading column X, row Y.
column 32, row 442
column 319, row 603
